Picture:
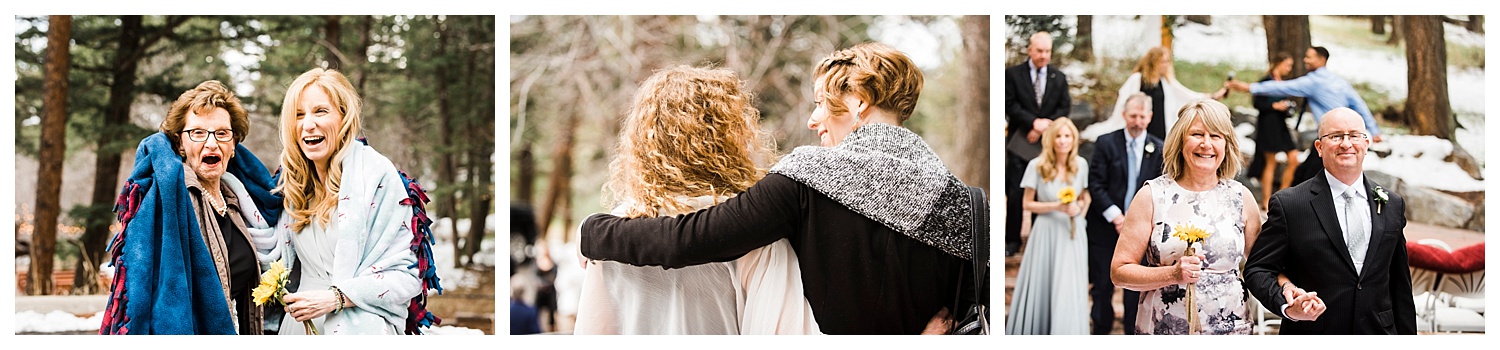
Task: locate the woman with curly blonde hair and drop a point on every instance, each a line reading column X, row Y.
column 879, row 227
column 692, row 140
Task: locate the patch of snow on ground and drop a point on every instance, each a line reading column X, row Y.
column 1418, row 160
column 451, row 330
column 442, row 252
column 56, row 321
column 1237, row 40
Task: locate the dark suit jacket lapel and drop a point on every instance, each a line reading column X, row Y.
column 1025, row 77
column 1377, row 227
column 1151, row 166
column 1046, row 87
column 1322, row 205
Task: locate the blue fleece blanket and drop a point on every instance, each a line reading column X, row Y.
column 165, row 280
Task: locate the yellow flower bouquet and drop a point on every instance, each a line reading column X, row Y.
column 1192, row 235
column 272, row 288
column 1067, row 195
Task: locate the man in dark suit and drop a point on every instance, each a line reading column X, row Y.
column 1035, row 94
column 1123, row 160
column 1338, row 240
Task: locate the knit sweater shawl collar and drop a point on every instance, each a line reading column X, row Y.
column 888, row 174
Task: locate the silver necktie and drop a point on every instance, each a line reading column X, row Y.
column 1037, row 83
column 1358, row 240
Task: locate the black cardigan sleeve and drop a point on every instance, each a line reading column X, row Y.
column 763, row 214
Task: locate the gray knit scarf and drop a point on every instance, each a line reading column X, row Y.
column 888, row 174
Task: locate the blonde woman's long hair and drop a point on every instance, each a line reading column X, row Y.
column 690, row 132
column 311, row 196
column 1049, row 155
column 1150, row 67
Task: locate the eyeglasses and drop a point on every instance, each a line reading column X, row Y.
column 201, row 135
column 1338, row 138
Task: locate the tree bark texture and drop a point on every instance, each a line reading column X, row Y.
column 50, row 153
column 1427, row 105
column 331, row 35
column 974, row 102
column 1166, row 31
column 558, row 188
column 1290, row 35
column 447, row 167
column 1083, row 42
column 1395, row 30
column 122, row 91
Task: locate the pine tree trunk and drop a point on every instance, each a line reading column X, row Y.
column 558, row 187
column 480, row 192
column 1166, row 31
column 361, row 56
column 447, row 167
column 1083, row 42
column 50, row 154
column 1395, row 30
column 1290, row 35
column 1427, row 103
column 1475, row 24
column 1377, row 24
column 524, row 189
column 974, row 102
column 122, row 91
column 331, row 34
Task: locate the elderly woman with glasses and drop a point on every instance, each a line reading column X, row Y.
column 196, row 232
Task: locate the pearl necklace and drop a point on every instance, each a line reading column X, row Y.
column 217, row 204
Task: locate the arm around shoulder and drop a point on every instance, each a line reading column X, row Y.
column 763, row 214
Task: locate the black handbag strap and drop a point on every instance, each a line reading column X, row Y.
column 979, row 247
column 979, row 238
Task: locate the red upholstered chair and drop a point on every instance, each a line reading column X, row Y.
column 1448, row 285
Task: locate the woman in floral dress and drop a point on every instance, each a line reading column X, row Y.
column 1194, row 230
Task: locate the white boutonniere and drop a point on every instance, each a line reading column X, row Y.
column 1380, row 198
column 1150, row 147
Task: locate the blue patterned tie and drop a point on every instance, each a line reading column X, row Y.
column 1133, row 169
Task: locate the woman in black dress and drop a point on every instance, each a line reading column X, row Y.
column 1271, row 135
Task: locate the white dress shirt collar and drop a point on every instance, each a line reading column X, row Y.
column 1337, row 188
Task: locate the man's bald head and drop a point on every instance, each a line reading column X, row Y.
column 1341, row 118
column 1039, row 49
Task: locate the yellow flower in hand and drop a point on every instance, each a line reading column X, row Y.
column 1067, row 194
column 272, row 284
column 1189, row 233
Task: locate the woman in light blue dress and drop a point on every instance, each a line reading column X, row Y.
column 1051, row 294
